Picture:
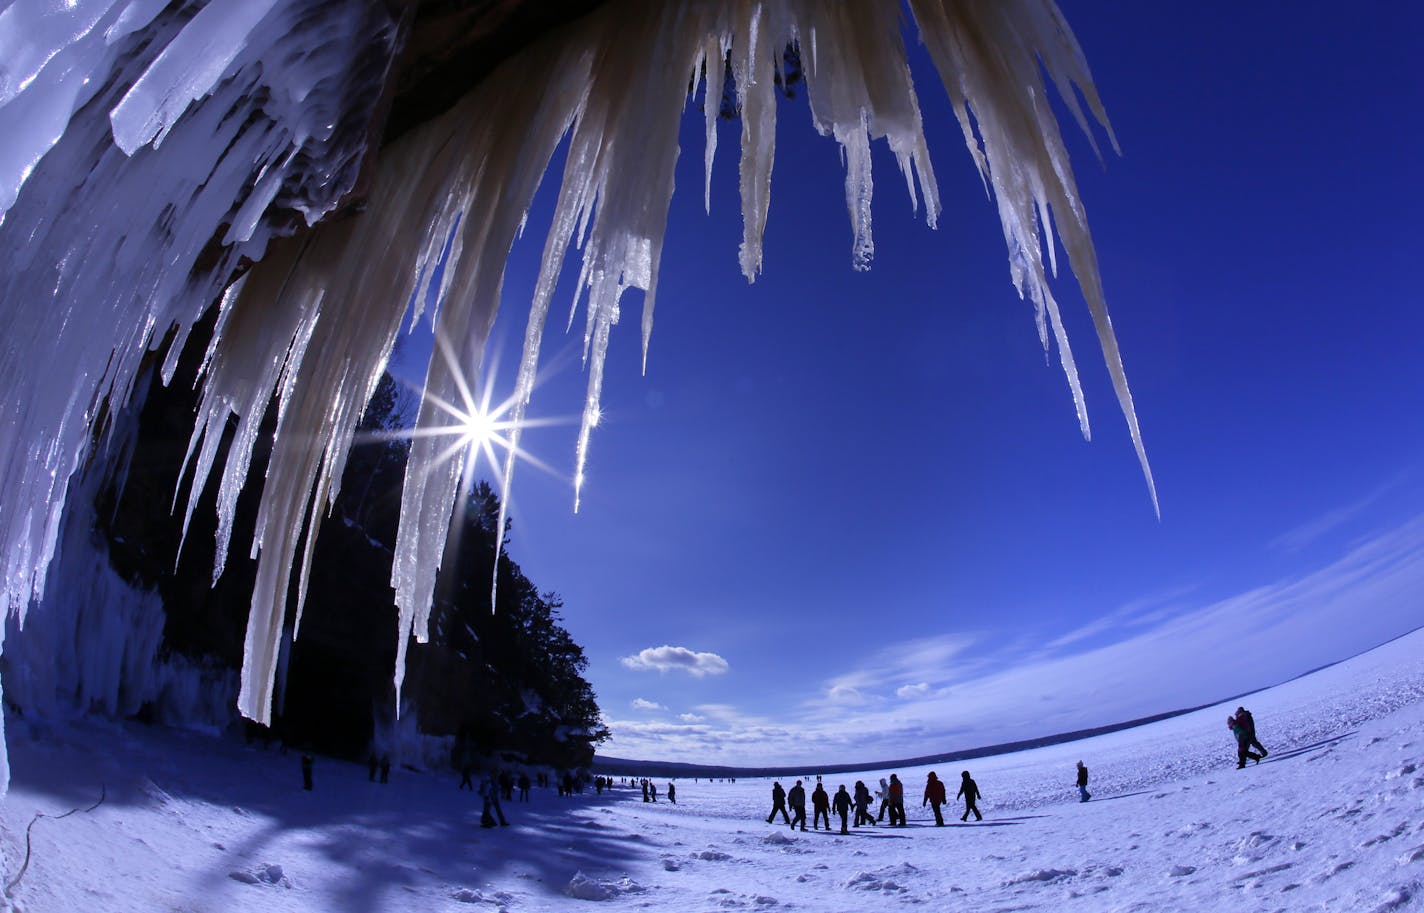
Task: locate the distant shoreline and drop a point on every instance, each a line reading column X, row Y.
column 631, row 767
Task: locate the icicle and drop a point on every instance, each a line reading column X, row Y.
column 229, row 104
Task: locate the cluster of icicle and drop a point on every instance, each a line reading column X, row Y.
column 147, row 132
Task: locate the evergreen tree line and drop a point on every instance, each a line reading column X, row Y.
column 507, row 682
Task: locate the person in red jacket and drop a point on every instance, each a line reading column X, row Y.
column 934, row 797
column 897, row 801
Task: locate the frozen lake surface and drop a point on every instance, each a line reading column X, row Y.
column 1330, row 821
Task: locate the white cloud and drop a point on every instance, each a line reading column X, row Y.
column 641, row 704
column 666, row 657
column 691, row 718
column 845, row 694
column 1307, row 533
column 913, row 692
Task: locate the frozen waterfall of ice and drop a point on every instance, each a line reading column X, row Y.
column 253, row 118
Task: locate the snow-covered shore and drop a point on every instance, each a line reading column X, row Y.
column 1331, row 821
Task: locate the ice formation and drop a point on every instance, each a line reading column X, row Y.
column 154, row 150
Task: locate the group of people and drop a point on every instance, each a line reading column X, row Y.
column 892, row 801
column 650, row 791
column 892, row 792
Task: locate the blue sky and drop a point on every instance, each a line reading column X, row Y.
column 856, row 507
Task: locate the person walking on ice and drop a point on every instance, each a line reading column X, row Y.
column 778, row 803
column 1243, row 742
column 897, row 801
column 1083, row 794
column 820, row 807
column 841, row 803
column 970, row 791
column 934, row 797
column 489, row 794
column 1248, row 723
column 862, row 805
column 797, row 800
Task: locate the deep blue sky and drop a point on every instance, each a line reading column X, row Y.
column 866, row 492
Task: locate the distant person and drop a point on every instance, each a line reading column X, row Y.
column 820, row 807
column 934, row 797
column 897, row 801
column 524, row 785
column 778, row 803
column 970, row 791
column 371, row 765
column 385, row 768
column 307, row 772
column 1243, row 742
column 489, row 792
column 796, row 798
column 1248, row 722
column 506, row 785
column 884, row 794
column 652, row 791
column 841, row 803
column 466, row 781
column 1083, row 794
column 646, row 797
column 862, row 801
column 672, row 793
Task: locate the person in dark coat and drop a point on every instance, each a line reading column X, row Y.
column 934, row 797
column 1243, row 742
column 1248, row 722
column 778, row 803
column 371, row 764
column 897, row 801
column 307, row 772
column 820, row 807
column 466, row 780
column 970, row 791
column 672, row 793
column 385, row 768
column 1083, row 794
column 796, row 798
column 489, row 792
column 862, row 804
column 524, row 787
column 841, row 803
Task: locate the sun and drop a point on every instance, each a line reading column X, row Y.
column 481, row 431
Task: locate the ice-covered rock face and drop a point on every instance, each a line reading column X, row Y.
column 153, row 151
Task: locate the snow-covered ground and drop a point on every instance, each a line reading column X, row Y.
column 1333, row 820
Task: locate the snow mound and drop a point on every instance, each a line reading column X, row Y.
column 581, row 887
column 712, row 855
column 264, row 874
column 1042, row 875
column 884, row 880
column 778, row 839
